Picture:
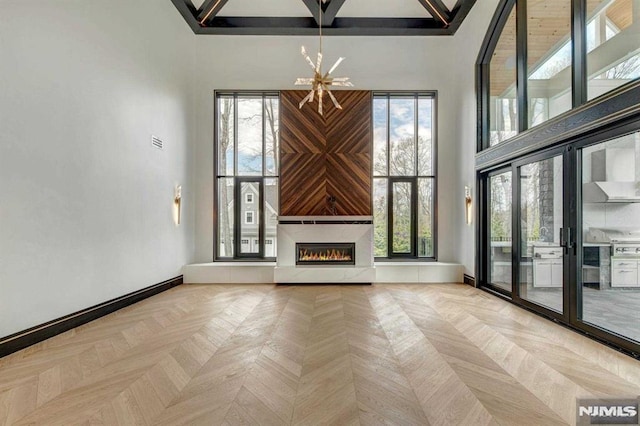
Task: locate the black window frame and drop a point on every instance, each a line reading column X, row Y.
column 607, row 116
column 259, row 213
column 579, row 77
column 414, row 179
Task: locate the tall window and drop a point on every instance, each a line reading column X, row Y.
column 404, row 175
column 613, row 45
column 503, row 107
column 546, row 57
column 246, row 175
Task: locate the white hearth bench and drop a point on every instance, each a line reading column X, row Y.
column 322, row 230
column 263, row 272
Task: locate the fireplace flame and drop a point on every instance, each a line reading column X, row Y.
column 329, row 255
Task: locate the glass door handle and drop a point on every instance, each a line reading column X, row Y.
column 570, row 242
column 566, row 239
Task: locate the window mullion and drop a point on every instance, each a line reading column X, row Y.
column 415, row 136
column 521, row 61
column 389, row 189
column 414, row 185
column 388, row 135
column 264, row 136
column 235, row 134
column 260, row 213
column 578, row 53
column 260, row 210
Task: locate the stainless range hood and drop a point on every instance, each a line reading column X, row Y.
column 610, row 192
column 613, row 175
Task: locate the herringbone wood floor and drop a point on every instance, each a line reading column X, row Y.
column 261, row 354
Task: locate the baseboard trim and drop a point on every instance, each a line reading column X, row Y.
column 39, row 333
column 321, row 284
column 469, row 280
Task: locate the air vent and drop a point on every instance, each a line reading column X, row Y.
column 156, row 142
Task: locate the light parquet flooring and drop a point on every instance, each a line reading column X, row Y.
column 309, row 355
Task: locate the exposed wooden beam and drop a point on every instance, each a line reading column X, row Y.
column 209, row 10
column 438, row 10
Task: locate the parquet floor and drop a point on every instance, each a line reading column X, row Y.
column 344, row 355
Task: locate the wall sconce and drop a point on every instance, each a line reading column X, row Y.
column 177, row 202
column 468, row 210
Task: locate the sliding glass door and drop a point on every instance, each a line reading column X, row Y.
column 500, row 231
column 528, row 242
column 542, row 248
column 608, row 295
column 560, row 234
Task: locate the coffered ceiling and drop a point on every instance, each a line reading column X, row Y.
column 339, row 17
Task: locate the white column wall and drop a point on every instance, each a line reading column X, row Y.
column 468, row 40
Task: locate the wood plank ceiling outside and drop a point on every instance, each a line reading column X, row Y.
column 441, row 20
column 549, row 24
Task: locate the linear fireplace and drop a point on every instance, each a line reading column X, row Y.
column 325, row 253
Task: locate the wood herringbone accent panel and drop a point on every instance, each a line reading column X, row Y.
column 308, row 355
column 325, row 155
column 301, row 132
column 304, row 187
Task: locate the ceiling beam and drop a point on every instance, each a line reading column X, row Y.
column 438, row 10
column 328, row 10
column 188, row 12
column 286, row 26
column 459, row 12
column 331, row 12
column 209, row 10
column 295, row 26
column 314, row 6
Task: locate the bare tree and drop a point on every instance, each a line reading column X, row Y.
column 251, row 160
column 625, row 70
column 507, row 110
column 271, row 110
column 501, row 207
column 225, row 139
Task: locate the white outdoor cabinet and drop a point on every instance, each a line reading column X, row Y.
column 624, row 273
column 547, row 266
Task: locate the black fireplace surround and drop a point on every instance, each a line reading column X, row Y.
column 325, row 254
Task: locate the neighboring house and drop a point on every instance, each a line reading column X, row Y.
column 249, row 217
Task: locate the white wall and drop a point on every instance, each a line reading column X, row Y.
column 467, row 42
column 445, row 64
column 86, row 203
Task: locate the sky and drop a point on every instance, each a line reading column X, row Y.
column 250, row 128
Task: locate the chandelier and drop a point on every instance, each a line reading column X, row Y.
column 320, row 82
